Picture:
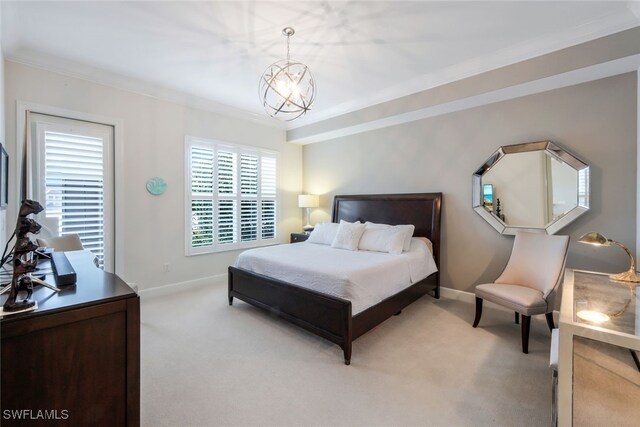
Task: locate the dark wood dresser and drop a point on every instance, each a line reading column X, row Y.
column 75, row 360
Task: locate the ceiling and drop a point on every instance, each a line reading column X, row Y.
column 360, row 52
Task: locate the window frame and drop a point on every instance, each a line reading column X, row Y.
column 238, row 197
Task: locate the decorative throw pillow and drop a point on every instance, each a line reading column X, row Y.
column 323, row 234
column 382, row 239
column 348, row 236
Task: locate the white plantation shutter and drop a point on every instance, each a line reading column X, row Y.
column 248, row 220
column 227, row 192
column 231, row 196
column 249, row 174
column 268, row 190
column 201, row 223
column 73, row 176
column 201, row 170
column 201, row 182
column 583, row 187
column 249, row 206
column 74, row 185
column 227, row 214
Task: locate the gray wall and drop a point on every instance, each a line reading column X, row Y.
column 596, row 121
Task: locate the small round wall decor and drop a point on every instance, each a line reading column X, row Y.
column 156, row 185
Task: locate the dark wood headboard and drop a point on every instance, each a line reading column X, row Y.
column 420, row 209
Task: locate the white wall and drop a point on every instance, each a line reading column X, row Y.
column 153, row 145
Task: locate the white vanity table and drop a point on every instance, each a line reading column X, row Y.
column 597, row 293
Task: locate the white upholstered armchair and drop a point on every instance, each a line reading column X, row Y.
column 67, row 242
column 530, row 280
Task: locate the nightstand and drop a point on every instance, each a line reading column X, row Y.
column 298, row 237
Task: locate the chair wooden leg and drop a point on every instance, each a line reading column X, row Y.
column 478, row 312
column 517, row 317
column 550, row 323
column 526, row 324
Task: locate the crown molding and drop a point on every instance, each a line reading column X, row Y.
column 118, row 81
column 558, row 81
column 601, row 27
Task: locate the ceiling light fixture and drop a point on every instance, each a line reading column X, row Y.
column 287, row 88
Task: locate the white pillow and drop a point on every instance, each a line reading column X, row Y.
column 323, row 234
column 348, row 236
column 408, row 230
column 382, row 239
column 408, row 234
column 374, row 226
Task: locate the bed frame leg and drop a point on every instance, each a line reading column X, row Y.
column 398, row 313
column 230, row 284
column 347, row 353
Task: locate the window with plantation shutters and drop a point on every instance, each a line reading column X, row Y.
column 73, row 180
column 231, row 196
column 583, row 187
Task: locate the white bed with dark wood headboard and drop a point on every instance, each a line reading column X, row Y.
column 318, row 305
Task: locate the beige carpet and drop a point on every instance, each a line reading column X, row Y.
column 205, row 363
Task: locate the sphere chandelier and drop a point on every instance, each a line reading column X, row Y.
column 287, row 88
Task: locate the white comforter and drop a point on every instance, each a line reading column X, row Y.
column 363, row 277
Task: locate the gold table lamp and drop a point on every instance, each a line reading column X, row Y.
column 597, row 239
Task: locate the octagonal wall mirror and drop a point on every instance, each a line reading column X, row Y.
column 535, row 186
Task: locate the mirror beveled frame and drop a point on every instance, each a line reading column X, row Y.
column 552, row 150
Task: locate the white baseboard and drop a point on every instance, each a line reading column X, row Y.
column 468, row 297
column 218, row 279
column 457, row 295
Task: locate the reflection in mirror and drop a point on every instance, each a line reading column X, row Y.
column 534, row 186
column 487, row 194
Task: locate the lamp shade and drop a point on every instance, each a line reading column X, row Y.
column 594, row 238
column 308, row 201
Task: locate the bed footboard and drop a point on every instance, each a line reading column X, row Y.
column 324, row 315
column 373, row 316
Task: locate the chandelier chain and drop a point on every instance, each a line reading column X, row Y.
column 288, row 56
